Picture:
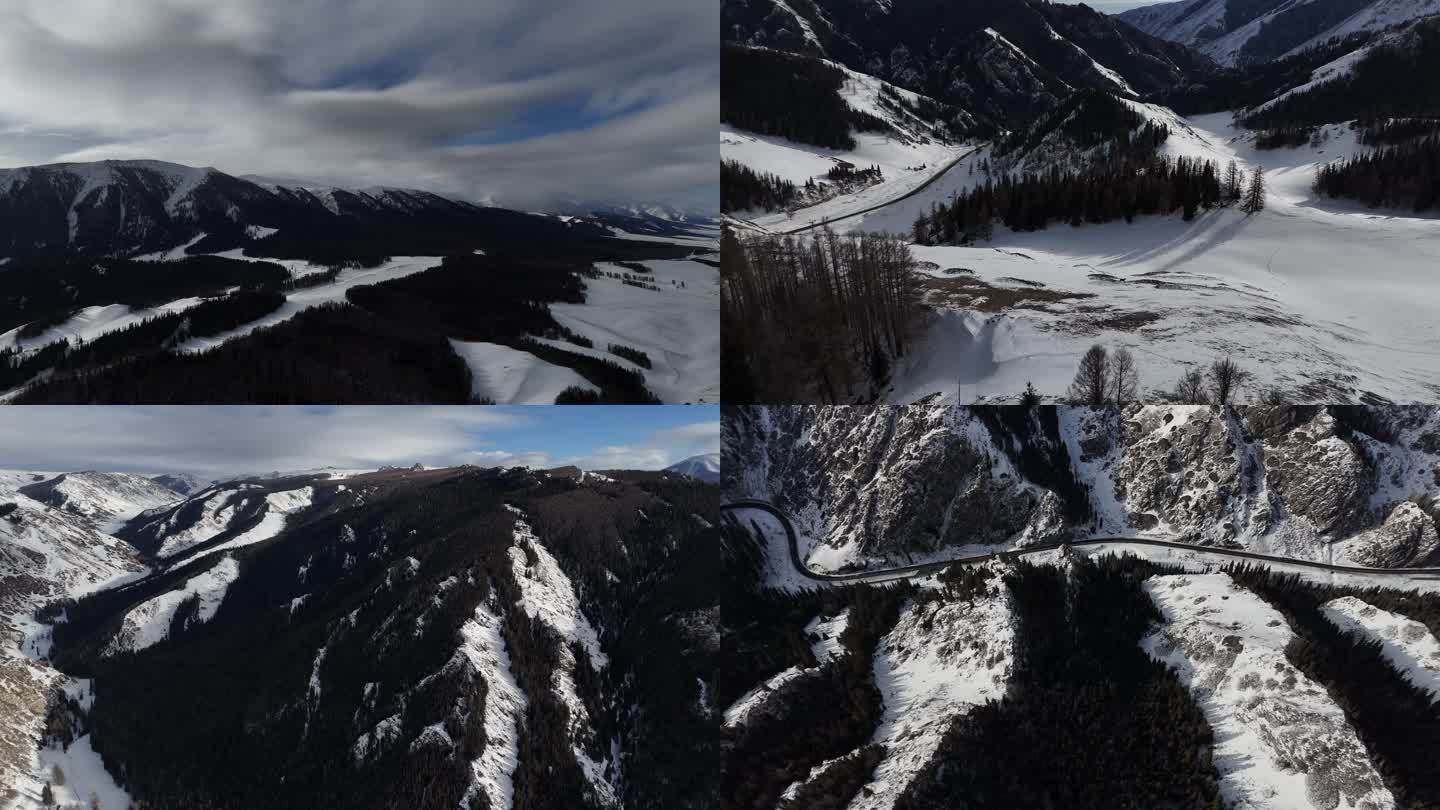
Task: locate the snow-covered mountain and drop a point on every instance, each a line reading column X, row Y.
column 129, row 207
column 705, row 467
column 1232, row 32
column 1000, row 62
column 867, row 485
column 183, row 483
column 100, row 496
column 454, row 637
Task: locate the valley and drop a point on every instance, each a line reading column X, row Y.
column 1036, row 242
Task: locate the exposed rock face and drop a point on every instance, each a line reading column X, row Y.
column 874, row 484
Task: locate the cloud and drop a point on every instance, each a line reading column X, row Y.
column 230, row 441
column 522, row 103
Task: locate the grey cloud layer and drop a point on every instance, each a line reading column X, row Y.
column 360, row 92
column 218, row 441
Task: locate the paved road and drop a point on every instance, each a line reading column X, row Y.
column 907, row 195
column 925, row 569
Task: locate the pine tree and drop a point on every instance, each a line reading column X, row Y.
column 1255, row 196
column 1232, row 182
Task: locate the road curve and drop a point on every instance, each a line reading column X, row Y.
column 925, row 569
column 907, row 195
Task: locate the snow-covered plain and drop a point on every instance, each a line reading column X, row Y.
column 505, row 375
column 1325, row 299
column 677, row 327
column 1280, row 740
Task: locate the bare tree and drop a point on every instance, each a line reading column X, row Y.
column 1191, row 388
column 1091, row 383
column 1226, row 378
column 1124, row 380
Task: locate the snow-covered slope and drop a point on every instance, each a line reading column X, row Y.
column 1323, row 299
column 1409, row 645
column 1280, row 739
column 1203, row 25
column 703, row 467
column 101, row 497
column 150, row 622
column 941, row 659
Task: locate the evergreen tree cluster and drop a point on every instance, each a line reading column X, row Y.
column 1090, row 118
column 810, row 318
column 328, row 354
column 744, row 189
column 1395, row 79
column 1090, row 720
column 1284, row 137
column 49, row 290
column 150, row 336
column 1390, row 131
column 1101, row 192
column 1406, row 175
column 795, row 97
column 390, row 580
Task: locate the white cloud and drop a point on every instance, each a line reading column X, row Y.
column 612, row 101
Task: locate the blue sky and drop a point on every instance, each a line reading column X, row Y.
column 219, row 441
column 523, row 104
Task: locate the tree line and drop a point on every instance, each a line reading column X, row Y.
column 795, row 97
column 815, row 318
column 1406, row 175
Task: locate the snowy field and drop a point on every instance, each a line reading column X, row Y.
column 1325, row 299
column 677, row 327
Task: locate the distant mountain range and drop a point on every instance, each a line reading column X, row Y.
column 134, row 207
column 1002, row 62
column 1248, row 31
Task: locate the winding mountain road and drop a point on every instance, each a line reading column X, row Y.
column 907, row 195
column 925, row 569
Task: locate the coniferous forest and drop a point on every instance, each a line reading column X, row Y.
column 822, row 318
column 1405, row 175
column 776, row 93
column 1103, row 192
column 374, row 622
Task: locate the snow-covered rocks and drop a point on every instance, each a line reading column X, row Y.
column 940, row 660
column 1408, row 645
column 1280, row 740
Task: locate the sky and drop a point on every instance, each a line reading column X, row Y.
column 1113, row 6
column 520, row 103
column 229, row 441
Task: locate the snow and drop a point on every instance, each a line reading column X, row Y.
column 941, row 660
column 92, row 322
column 1280, row 740
column 513, row 376
column 85, row 777
column 173, row 254
column 547, row 594
column 826, row 633
column 1408, row 645
column 678, row 328
column 504, row 709
column 1324, row 299
column 278, row 507
column 756, row 697
column 298, row 301
column 148, row 623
